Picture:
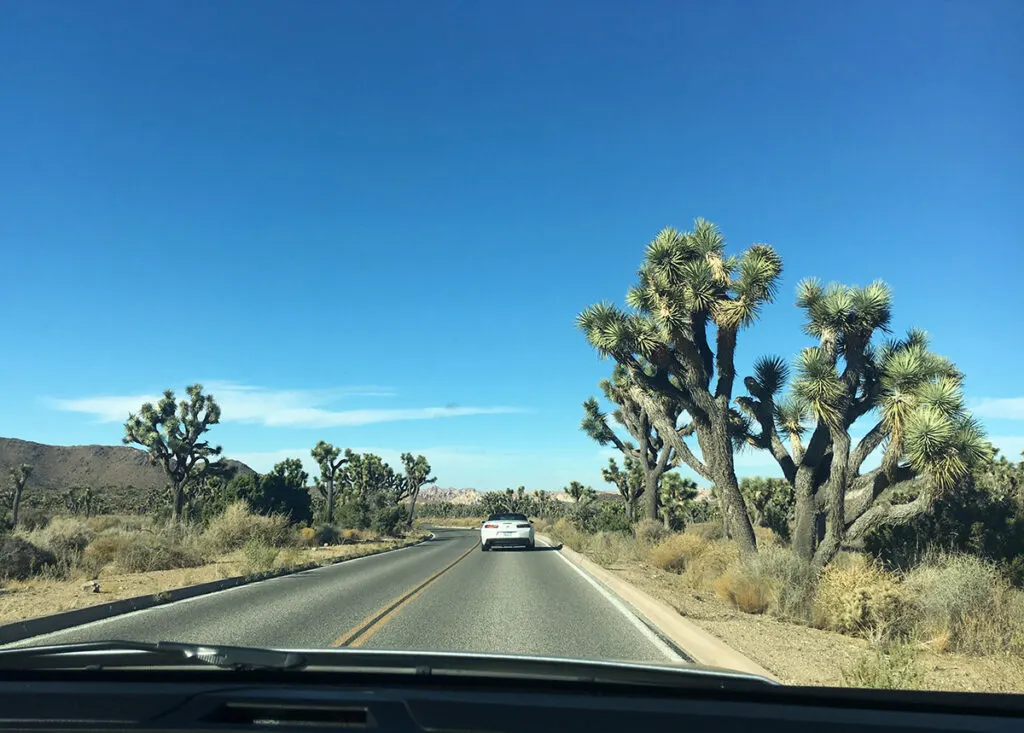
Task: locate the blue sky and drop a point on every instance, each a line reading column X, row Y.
column 374, row 223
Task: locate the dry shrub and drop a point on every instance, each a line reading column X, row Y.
column 855, row 595
column 125, row 522
column 701, row 560
column 65, row 537
column 962, row 603
column 650, row 531
column 767, row 538
column 20, row 559
column 675, row 552
column 610, row 548
column 354, row 535
column 712, row 561
column 105, row 548
column 259, row 556
column 744, row 590
column 238, row 524
column 327, row 534
column 566, row 532
column 307, row 537
column 289, row 558
column 886, row 667
column 144, row 552
column 774, row 580
column 706, row 530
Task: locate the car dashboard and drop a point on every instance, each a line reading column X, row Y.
column 232, row 701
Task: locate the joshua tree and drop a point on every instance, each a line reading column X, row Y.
column 417, row 473
column 19, row 476
column 629, row 480
column 330, row 461
column 677, row 496
column 929, row 440
column 690, row 295
column 651, row 454
column 580, row 494
column 171, row 432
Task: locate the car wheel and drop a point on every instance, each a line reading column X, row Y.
column 484, row 546
column 530, row 545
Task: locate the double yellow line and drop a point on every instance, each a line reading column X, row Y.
column 361, row 633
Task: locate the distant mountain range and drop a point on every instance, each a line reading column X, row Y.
column 61, row 467
column 430, row 494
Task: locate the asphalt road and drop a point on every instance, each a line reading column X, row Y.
column 444, row 595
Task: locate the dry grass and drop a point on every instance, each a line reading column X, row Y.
column 701, row 560
column 744, row 590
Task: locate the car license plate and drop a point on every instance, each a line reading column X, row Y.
column 506, row 534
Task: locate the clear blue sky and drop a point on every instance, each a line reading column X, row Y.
column 341, row 216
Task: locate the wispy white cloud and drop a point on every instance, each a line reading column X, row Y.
column 999, row 408
column 279, row 408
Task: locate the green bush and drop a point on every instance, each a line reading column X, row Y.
column 327, row 534
column 389, row 521
column 20, row 559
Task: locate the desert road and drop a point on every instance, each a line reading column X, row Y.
column 441, row 595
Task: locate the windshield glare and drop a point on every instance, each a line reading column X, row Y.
column 655, row 333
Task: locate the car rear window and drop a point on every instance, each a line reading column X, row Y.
column 507, row 518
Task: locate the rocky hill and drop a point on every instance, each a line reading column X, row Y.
column 62, row 467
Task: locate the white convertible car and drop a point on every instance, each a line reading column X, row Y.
column 506, row 530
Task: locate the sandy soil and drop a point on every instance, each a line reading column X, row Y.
column 802, row 655
column 39, row 597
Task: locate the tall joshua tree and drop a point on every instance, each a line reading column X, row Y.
column 678, row 342
column 912, row 396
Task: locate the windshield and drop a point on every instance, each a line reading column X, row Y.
column 658, row 332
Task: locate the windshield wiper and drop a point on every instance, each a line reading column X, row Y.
column 100, row 654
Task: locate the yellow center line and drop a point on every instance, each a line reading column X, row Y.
column 373, row 623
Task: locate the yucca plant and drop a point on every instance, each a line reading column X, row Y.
column 648, row 453
column 913, row 396
column 690, row 295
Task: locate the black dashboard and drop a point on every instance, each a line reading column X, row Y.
column 229, row 701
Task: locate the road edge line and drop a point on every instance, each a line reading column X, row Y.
column 16, row 631
column 699, row 645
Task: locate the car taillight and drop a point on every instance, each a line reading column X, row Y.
column 522, row 526
column 490, row 526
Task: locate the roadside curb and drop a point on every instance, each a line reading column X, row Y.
column 26, row 629
column 698, row 644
